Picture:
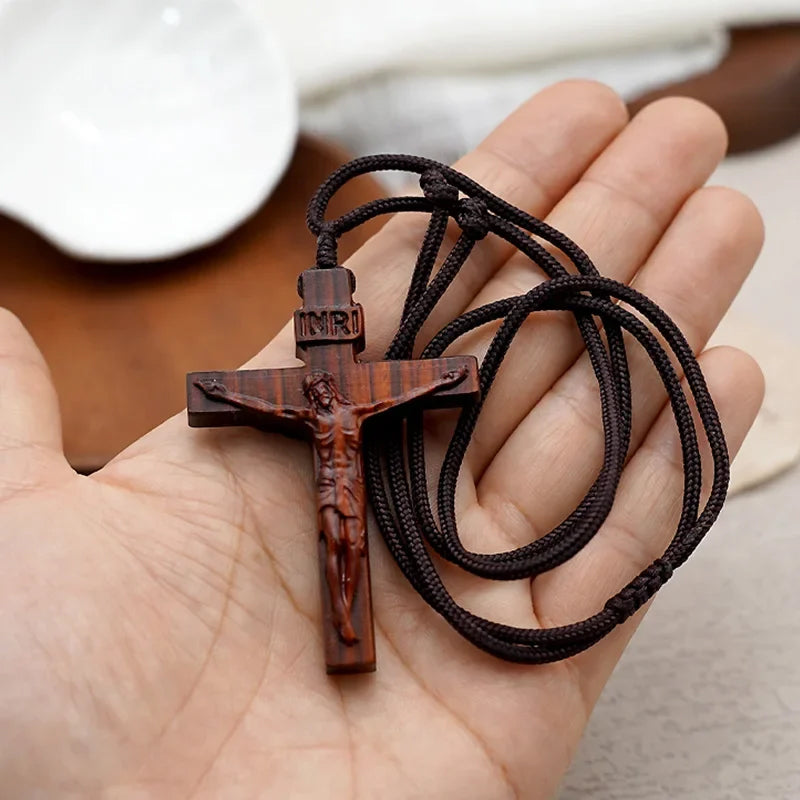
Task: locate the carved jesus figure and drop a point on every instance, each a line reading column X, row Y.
column 335, row 422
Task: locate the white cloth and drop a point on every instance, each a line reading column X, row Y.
column 434, row 76
column 443, row 115
column 329, row 44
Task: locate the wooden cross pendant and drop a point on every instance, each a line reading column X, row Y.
column 328, row 399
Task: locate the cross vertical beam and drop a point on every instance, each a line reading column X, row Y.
column 328, row 400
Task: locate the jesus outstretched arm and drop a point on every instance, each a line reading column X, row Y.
column 446, row 381
column 214, row 389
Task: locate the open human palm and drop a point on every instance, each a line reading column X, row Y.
column 161, row 618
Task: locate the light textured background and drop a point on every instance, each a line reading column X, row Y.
column 706, row 702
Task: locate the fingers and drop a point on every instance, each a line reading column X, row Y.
column 531, row 160
column 643, row 519
column 617, row 213
column 29, row 417
column 694, row 274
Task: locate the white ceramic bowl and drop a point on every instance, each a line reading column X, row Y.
column 139, row 129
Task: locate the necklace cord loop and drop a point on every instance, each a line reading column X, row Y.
column 395, row 464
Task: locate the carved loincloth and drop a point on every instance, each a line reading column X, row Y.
column 341, row 495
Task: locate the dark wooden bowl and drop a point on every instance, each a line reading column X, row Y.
column 756, row 88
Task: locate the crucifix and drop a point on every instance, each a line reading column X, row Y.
column 328, row 400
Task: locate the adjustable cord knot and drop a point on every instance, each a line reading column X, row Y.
column 622, row 606
column 625, row 604
column 470, row 213
column 436, row 188
column 473, row 218
column 664, row 570
column 640, row 590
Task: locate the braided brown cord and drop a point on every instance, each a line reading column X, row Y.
column 395, row 461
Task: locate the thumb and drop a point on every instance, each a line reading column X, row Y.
column 30, row 422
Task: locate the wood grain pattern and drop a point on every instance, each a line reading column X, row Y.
column 328, row 400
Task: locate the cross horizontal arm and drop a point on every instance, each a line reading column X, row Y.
column 397, row 382
column 281, row 388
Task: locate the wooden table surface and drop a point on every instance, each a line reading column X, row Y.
column 119, row 338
